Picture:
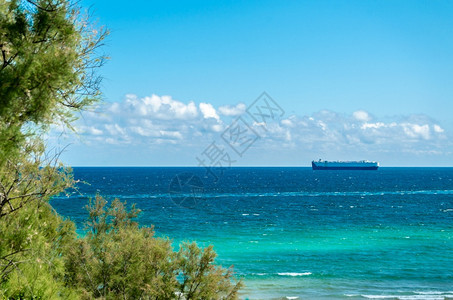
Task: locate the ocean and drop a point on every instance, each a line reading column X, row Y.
column 294, row 233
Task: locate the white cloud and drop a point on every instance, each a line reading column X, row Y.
column 416, row 130
column 217, row 127
column 171, row 134
column 438, row 129
column 90, row 130
column 208, row 111
column 330, row 132
column 157, row 120
column 232, row 111
column 361, row 115
column 287, row 123
column 374, row 125
column 149, row 120
column 155, row 107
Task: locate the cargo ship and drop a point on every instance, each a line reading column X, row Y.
column 344, row 165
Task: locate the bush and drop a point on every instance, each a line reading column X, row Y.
column 119, row 260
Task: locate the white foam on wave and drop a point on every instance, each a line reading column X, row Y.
column 284, row 194
column 433, row 292
column 379, row 296
column 294, row 274
column 291, row 298
column 424, row 296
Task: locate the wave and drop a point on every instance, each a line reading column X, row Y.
column 321, row 194
column 418, row 296
column 294, row 274
column 379, row 297
column 205, row 195
column 434, row 293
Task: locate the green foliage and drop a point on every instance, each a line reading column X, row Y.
column 119, row 260
column 48, row 58
column 32, row 246
column 47, row 63
column 48, row 55
column 32, row 234
column 200, row 278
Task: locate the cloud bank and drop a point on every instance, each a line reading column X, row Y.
column 161, row 121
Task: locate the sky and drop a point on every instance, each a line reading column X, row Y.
column 347, row 80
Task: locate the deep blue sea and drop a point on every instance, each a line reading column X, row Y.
column 294, row 233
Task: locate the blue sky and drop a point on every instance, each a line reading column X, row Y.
column 356, row 80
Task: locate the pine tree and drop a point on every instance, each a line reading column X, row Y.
column 49, row 54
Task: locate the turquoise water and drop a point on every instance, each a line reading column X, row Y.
column 294, row 233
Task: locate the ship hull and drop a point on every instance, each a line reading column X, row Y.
column 345, row 167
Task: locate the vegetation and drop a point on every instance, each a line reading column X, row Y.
column 48, row 61
column 117, row 259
